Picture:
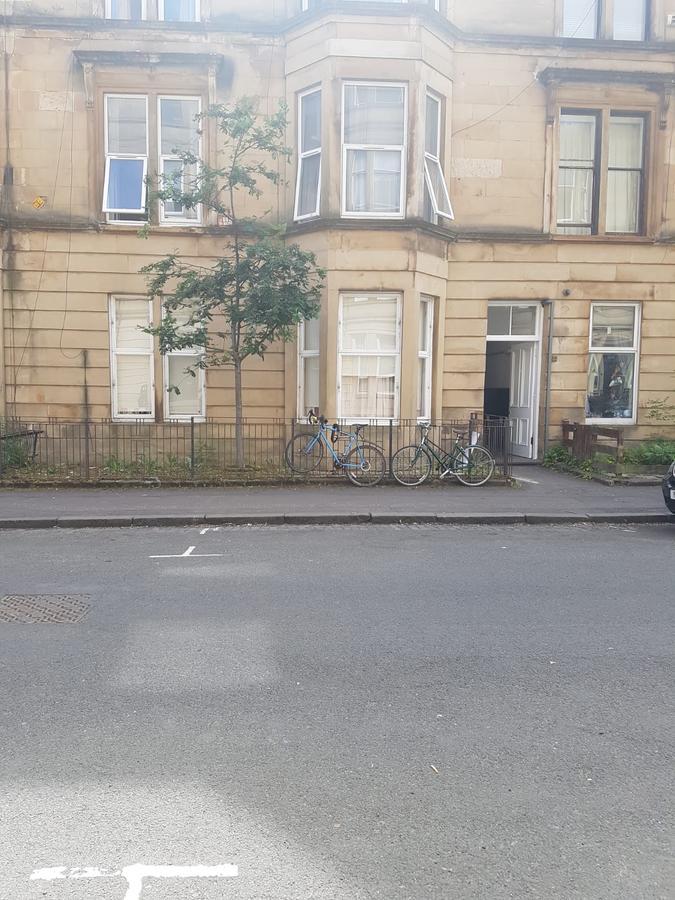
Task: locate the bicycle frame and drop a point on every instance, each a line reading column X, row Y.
column 322, row 436
column 446, row 460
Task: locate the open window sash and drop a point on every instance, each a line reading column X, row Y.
column 125, row 188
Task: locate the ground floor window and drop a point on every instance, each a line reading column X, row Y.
column 369, row 356
column 424, row 357
column 131, row 359
column 613, row 362
column 308, row 366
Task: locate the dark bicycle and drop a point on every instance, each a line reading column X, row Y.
column 471, row 464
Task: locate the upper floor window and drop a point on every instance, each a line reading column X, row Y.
column 127, row 125
column 437, row 199
column 164, row 10
column 130, row 10
column 315, row 4
column 308, row 188
column 601, row 172
column 373, row 149
column 178, row 10
column 622, row 20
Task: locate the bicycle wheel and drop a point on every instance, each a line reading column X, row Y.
column 369, row 465
column 411, row 465
column 473, row 465
column 303, row 453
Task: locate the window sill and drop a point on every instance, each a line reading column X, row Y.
column 603, row 238
column 127, row 227
column 616, row 423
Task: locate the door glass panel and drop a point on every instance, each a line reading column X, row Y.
column 499, row 318
column 524, row 320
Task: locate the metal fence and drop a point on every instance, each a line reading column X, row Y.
column 203, row 452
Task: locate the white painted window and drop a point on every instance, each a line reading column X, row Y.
column 434, row 179
column 373, row 149
column 129, row 10
column 369, row 336
column 178, row 10
column 425, row 358
column 178, row 133
column 131, row 359
column 182, row 372
column 508, row 321
column 581, row 18
column 126, row 154
column 611, row 394
column 308, row 188
column 625, row 174
column 315, row 4
column 630, row 20
column 308, row 366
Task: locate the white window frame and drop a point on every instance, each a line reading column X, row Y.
column 108, row 156
column 511, row 338
column 201, row 380
column 427, row 355
column 302, row 155
column 634, row 349
column 164, row 217
column 304, row 354
column 160, row 13
column 386, row 295
column 108, row 12
column 115, row 352
column 435, row 159
column 402, row 149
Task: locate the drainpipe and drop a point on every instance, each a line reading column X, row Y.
column 6, row 211
column 548, row 304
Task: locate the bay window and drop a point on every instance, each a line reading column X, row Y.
column 373, row 149
column 613, row 362
column 308, row 366
column 308, row 187
column 369, row 356
column 425, row 357
column 601, row 177
column 131, row 362
column 436, row 189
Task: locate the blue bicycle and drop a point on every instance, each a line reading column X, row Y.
column 362, row 462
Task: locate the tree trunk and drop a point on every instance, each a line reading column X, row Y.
column 238, row 416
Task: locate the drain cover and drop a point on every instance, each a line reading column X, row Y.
column 44, row 609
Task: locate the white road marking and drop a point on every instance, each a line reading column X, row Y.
column 135, row 874
column 189, row 552
column 210, row 528
column 526, row 480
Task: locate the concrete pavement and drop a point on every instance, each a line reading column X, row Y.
column 538, row 493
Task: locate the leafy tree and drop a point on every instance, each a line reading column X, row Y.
column 258, row 291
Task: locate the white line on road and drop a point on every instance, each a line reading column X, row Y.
column 210, row 528
column 526, row 480
column 189, row 552
column 135, row 874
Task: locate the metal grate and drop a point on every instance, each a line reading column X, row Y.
column 43, row 609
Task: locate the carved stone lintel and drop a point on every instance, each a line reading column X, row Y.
column 88, row 70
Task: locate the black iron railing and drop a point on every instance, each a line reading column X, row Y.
column 202, row 451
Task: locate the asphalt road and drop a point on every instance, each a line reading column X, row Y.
column 406, row 713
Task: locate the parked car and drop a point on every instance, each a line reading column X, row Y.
column 669, row 488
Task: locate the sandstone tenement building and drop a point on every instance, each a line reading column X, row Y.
column 490, row 185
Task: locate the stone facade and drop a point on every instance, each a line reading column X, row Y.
column 503, row 73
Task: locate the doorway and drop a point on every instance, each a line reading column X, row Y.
column 512, row 359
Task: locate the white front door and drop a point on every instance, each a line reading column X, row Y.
column 522, row 407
